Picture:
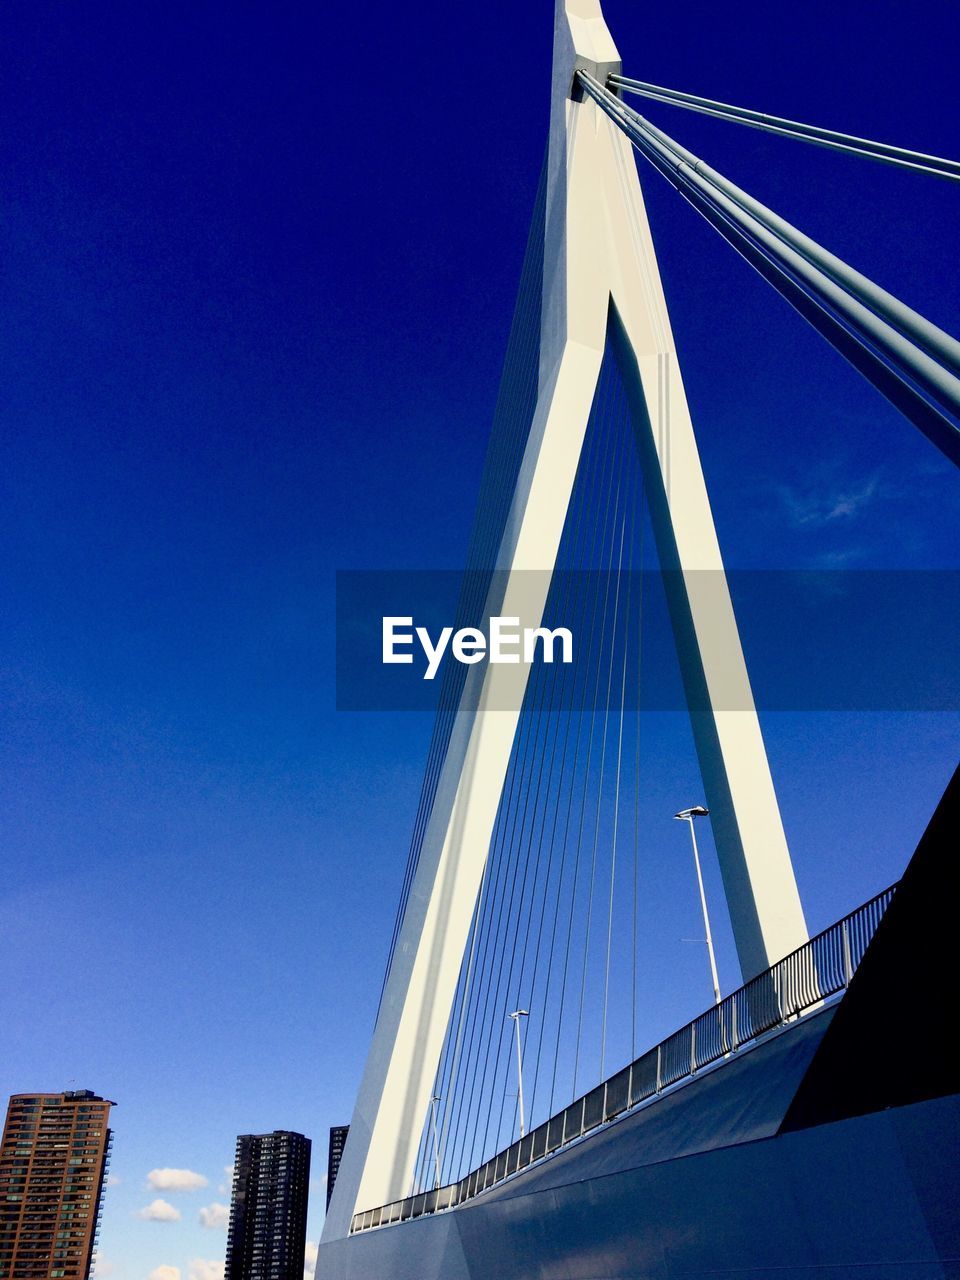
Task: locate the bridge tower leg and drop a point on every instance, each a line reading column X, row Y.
column 600, row 278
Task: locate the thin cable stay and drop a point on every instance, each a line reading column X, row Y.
column 513, row 414
column 555, row 926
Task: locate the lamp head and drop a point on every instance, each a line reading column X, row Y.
column 687, row 815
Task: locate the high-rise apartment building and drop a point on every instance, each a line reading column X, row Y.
column 268, row 1209
column 338, row 1140
column 53, row 1161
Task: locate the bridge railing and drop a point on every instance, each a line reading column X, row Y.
column 821, row 968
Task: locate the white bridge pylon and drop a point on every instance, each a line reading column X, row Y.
column 600, row 275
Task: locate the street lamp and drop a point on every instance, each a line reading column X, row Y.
column 516, row 1016
column 688, row 815
column 436, row 1145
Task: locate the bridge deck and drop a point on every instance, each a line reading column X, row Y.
column 801, row 982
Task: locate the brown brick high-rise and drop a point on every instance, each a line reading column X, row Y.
column 53, row 1159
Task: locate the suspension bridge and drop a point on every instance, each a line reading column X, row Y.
column 511, row 1121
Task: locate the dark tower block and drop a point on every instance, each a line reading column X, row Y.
column 338, row 1139
column 268, row 1211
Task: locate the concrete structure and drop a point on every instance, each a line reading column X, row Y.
column 53, row 1160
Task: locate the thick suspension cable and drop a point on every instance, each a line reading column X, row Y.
column 937, row 166
column 930, row 339
column 893, row 362
column 927, row 336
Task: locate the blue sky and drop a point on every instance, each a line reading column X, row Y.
column 258, row 277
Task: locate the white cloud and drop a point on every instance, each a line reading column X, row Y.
column 165, row 1272
column 225, row 1187
column 102, row 1267
column 822, row 505
column 206, row 1269
column 112, row 1180
column 215, row 1216
column 309, row 1259
column 175, row 1180
column 159, row 1211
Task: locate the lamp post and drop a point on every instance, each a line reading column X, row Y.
column 436, row 1145
column 688, row 815
column 516, row 1016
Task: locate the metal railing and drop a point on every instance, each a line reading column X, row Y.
column 798, row 983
